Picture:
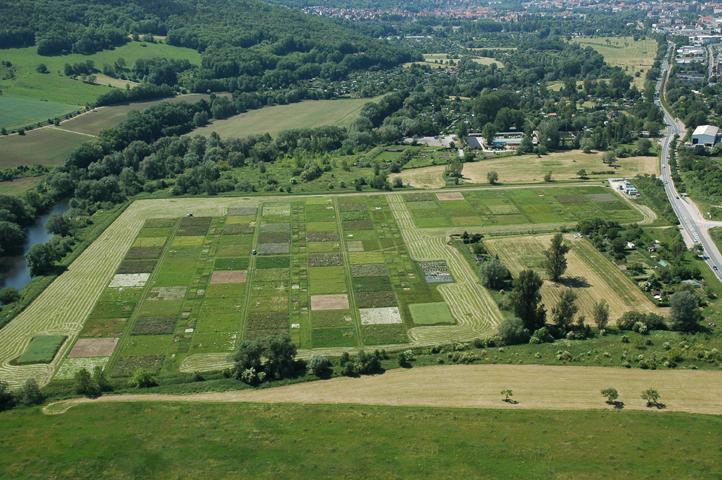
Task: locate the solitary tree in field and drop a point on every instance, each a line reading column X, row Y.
column 582, row 173
column 609, row 158
column 548, row 177
column 600, row 311
column 492, row 177
column 454, row 168
column 564, row 311
column 651, row 396
column 685, row 312
column 525, row 300
column 556, row 261
column 611, row 394
column 493, row 273
column 507, row 393
column 587, row 145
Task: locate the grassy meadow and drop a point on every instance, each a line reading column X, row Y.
column 23, row 81
column 308, row 114
column 45, row 146
column 179, row 439
column 531, row 169
column 17, row 112
column 20, row 185
column 624, row 52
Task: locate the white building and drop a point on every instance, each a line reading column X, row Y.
column 705, row 135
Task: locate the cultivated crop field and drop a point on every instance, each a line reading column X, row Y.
column 18, row 112
column 530, row 169
column 309, row 114
column 592, row 276
column 504, row 208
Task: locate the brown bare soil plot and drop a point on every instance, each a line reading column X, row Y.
column 93, row 347
column 592, row 276
column 450, row 196
column 233, row 276
column 329, row 302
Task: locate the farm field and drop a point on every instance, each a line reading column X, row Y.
column 173, row 293
column 19, row 185
column 18, row 112
column 45, row 146
column 23, row 80
column 624, row 52
column 530, row 169
column 49, row 146
column 308, row 114
column 182, row 439
column 499, row 209
column 592, row 276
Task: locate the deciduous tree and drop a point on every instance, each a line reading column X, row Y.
column 556, row 261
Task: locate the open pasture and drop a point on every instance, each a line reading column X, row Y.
column 530, row 169
column 18, row 112
column 308, row 114
column 592, row 276
column 624, row 52
column 500, row 208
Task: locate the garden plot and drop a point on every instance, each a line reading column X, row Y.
column 193, row 226
column 431, row 313
column 273, row 248
column 275, row 227
column 325, row 260
column 591, row 275
column 240, row 211
column 154, row 326
column 128, row 364
column 144, row 252
column 238, row 229
column 149, row 241
column 277, row 210
column 136, row 266
column 450, row 196
column 371, row 270
column 231, row 276
column 167, row 293
column 329, row 302
column 93, row 347
column 123, row 280
column 380, row 316
column 328, row 236
column 71, row 366
column 436, row 272
column 355, row 246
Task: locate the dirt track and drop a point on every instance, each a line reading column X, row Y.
column 478, row 386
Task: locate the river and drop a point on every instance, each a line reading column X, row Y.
column 14, row 268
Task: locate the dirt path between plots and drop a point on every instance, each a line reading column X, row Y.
column 478, row 386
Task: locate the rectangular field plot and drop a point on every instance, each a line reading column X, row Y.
column 331, row 318
column 41, row 349
column 128, row 364
column 327, row 280
column 334, row 337
column 591, row 275
column 71, row 366
column 93, row 347
column 384, row 334
column 380, row 316
column 146, row 345
column 436, row 272
column 431, row 314
column 154, row 326
column 103, row 327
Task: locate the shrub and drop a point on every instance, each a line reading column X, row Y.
column 511, row 331
column 84, row 384
column 318, row 364
column 9, row 295
column 142, row 378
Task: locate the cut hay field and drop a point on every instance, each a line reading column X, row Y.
column 23, row 81
column 591, row 276
column 308, row 114
column 624, row 52
column 18, row 112
column 181, row 439
column 530, row 169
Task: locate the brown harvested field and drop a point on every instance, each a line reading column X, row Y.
column 530, row 169
column 450, row 196
column 592, row 276
column 329, row 302
column 93, row 347
column 232, row 276
column 478, row 386
column 19, row 185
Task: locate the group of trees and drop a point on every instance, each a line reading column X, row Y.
column 265, row 358
column 29, row 394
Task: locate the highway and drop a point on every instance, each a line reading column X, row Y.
column 691, row 220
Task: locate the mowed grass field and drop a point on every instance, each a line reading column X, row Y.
column 308, row 114
column 54, row 86
column 17, row 112
column 624, row 52
column 439, row 60
column 20, row 185
column 181, row 439
column 592, row 277
column 531, row 169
